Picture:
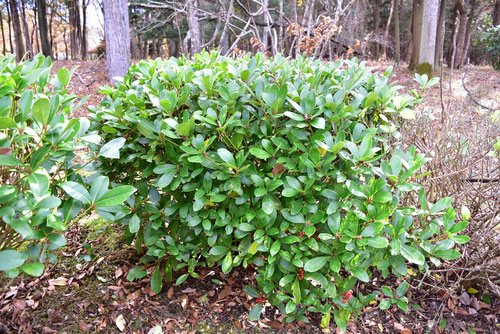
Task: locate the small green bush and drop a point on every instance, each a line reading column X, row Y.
column 489, row 43
column 290, row 167
column 41, row 190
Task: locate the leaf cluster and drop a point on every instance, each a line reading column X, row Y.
column 43, row 188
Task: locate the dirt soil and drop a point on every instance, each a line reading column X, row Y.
column 87, row 291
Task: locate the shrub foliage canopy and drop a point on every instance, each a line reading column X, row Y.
column 42, row 184
column 290, row 167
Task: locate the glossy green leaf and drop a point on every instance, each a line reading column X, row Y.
column 315, row 264
column 112, row 148
column 64, row 76
column 7, row 122
column 156, row 281
column 115, row 196
column 412, row 255
column 255, row 312
column 41, row 111
column 33, row 268
column 226, row 156
column 11, row 259
column 77, row 191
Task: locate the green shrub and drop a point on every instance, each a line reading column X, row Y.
column 38, row 166
column 289, row 167
column 489, row 41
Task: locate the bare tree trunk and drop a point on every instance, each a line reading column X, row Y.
column 397, row 37
column 145, row 49
column 9, row 23
column 376, row 26
column 416, row 29
column 461, row 32
column 29, row 46
column 42, row 25
column 66, row 50
column 281, row 22
column 35, row 37
column 223, row 41
column 18, row 36
column 84, row 46
column 51, row 33
column 409, row 37
column 4, row 50
column 496, row 14
column 75, row 31
column 387, row 26
column 468, row 31
column 425, row 17
column 440, row 35
column 194, row 26
column 266, row 36
column 117, row 31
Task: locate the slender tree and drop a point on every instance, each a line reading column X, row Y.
column 462, row 10
column 75, row 28
column 440, row 34
column 496, row 14
column 376, row 27
column 83, row 48
column 4, row 51
column 194, row 26
column 9, row 24
column 26, row 31
column 116, row 28
column 16, row 23
column 41, row 7
column 397, row 37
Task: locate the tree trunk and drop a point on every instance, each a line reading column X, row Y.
column 66, row 50
column 424, row 28
column 461, row 32
column 84, row 29
column 282, row 22
column 9, row 23
column 117, row 31
column 75, row 28
column 468, row 31
column 42, row 26
column 224, row 41
column 18, row 36
column 496, row 14
column 397, row 38
column 387, row 26
column 145, row 50
column 194, row 26
column 29, row 46
column 376, row 25
column 266, row 36
column 440, row 35
column 4, row 50
column 35, row 37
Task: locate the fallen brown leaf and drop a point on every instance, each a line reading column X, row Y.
column 83, row 326
column 120, row 322
column 170, row 292
column 118, row 272
column 60, row 281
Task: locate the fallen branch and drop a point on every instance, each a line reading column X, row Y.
column 470, row 93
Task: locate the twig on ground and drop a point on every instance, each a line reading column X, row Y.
column 470, row 93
